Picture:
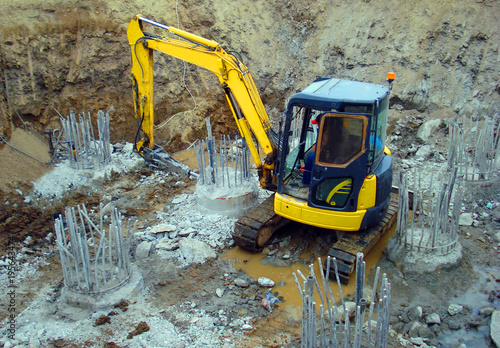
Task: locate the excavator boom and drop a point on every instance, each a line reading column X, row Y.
column 235, row 79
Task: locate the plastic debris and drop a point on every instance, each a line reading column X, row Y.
column 269, row 301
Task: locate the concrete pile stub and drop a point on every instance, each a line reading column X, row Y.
column 428, row 238
column 84, row 149
column 225, row 185
column 95, row 258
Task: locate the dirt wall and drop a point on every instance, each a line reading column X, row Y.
column 74, row 55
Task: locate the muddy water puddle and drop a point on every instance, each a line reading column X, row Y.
column 258, row 265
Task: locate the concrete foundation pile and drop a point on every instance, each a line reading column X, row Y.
column 94, row 257
column 329, row 323
column 85, row 150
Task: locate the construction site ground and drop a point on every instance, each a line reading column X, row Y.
column 199, row 304
column 58, row 56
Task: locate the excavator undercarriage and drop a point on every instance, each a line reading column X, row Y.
column 255, row 228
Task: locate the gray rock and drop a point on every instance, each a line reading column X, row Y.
column 454, row 309
column 247, row 327
column 186, row 232
column 143, row 250
column 398, row 327
column 427, row 129
column 242, row 283
column 195, row 251
column 34, row 343
column 424, row 152
column 465, row 219
column 486, row 311
column 168, row 244
column 414, row 329
column 162, row 228
column 496, row 237
column 206, row 322
column 180, row 198
column 237, row 323
column 219, row 292
column 404, row 318
column 454, row 324
column 415, row 313
column 266, row 282
column 418, row 341
column 436, row 329
column 433, row 319
column 350, row 309
column 425, row 332
column 28, row 240
column 495, row 327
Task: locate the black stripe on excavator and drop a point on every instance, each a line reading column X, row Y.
column 234, row 104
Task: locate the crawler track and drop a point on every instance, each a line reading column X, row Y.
column 349, row 244
column 254, row 229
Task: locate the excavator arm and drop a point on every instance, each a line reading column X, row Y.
column 234, row 77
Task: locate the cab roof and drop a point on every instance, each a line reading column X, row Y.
column 324, row 92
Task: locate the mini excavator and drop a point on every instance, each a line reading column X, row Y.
column 327, row 165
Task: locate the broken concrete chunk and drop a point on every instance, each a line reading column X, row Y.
column 266, row 282
column 350, row 309
column 415, row 313
column 186, row 232
column 162, row 228
column 433, row 319
column 427, row 129
column 195, row 251
column 168, row 244
column 242, row 283
column 219, row 292
column 454, row 309
column 465, row 219
column 424, row 152
column 143, row 249
column 28, row 240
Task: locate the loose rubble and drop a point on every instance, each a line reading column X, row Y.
column 176, row 251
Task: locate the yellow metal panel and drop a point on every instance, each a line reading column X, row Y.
column 368, row 193
column 298, row 210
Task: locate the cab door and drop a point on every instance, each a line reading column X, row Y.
column 340, row 164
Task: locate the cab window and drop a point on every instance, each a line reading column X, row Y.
column 341, row 138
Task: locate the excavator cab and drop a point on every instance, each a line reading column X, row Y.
column 334, row 169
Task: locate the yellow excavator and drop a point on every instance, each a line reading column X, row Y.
column 327, row 165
